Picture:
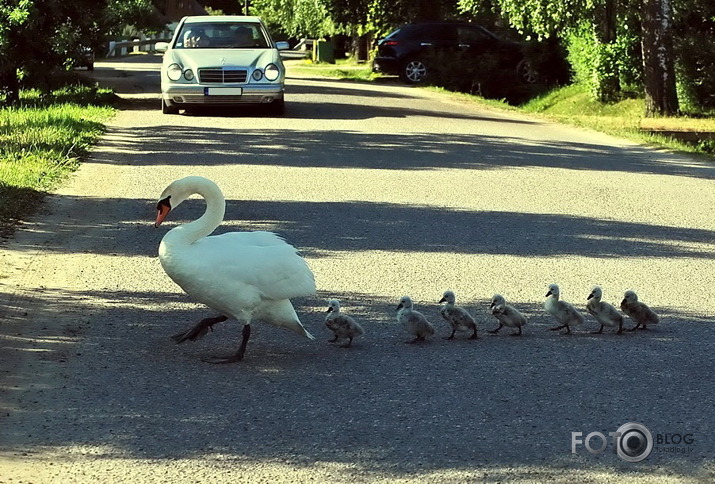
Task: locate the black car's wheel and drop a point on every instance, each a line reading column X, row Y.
column 414, row 71
column 527, row 73
column 168, row 108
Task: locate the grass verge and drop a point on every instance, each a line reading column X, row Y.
column 42, row 141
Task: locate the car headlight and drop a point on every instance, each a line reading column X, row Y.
column 174, row 72
column 257, row 75
column 272, row 72
column 188, row 74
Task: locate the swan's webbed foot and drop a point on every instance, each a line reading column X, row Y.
column 217, row 360
column 198, row 331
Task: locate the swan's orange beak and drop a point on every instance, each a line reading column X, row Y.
column 162, row 210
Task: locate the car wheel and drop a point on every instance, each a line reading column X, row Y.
column 526, row 72
column 414, row 71
column 277, row 107
column 168, row 108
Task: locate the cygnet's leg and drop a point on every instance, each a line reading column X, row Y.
column 568, row 329
column 638, row 325
column 474, row 335
column 517, row 334
column 199, row 330
column 600, row 330
column 495, row 331
column 451, row 336
column 239, row 354
column 334, row 339
column 620, row 327
column 348, row 344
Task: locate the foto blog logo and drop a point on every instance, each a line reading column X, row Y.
column 633, row 442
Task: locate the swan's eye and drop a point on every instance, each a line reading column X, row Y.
column 164, row 203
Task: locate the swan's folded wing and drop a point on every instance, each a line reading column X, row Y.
column 258, row 238
column 276, row 271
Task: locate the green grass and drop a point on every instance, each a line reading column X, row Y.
column 573, row 105
column 42, row 141
column 342, row 69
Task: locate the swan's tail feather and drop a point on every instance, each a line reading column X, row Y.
column 300, row 329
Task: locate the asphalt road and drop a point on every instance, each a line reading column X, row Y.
column 387, row 191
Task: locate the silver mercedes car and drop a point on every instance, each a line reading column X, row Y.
column 221, row 61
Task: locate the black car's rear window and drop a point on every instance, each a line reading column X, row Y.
column 424, row 32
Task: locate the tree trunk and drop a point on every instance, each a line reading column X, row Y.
column 661, row 98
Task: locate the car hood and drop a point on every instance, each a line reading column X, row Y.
column 200, row 58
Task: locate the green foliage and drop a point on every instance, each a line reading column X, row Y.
column 694, row 31
column 295, row 18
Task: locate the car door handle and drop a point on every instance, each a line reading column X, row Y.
column 465, row 45
column 426, row 44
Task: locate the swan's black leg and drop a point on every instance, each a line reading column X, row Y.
column 239, row 354
column 333, row 340
column 495, row 331
column 556, row 328
column 451, row 336
column 474, row 335
column 620, row 327
column 600, row 330
column 198, row 331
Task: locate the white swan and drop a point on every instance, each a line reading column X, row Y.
column 604, row 313
column 564, row 312
column 457, row 317
column 242, row 275
column 638, row 311
column 341, row 324
column 414, row 321
column 507, row 315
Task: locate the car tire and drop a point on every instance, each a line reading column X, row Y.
column 526, row 72
column 414, row 71
column 277, row 107
column 168, row 108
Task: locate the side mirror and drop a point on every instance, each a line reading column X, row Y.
column 282, row 45
column 161, row 46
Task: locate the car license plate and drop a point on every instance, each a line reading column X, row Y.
column 223, row 91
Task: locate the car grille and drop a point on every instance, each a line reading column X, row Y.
column 219, row 75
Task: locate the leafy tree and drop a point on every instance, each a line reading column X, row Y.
column 29, row 59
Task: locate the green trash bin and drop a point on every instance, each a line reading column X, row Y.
column 323, row 51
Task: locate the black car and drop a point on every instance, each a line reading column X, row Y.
column 409, row 50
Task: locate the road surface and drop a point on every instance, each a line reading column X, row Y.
column 387, row 191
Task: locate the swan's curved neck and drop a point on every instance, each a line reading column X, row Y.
column 207, row 223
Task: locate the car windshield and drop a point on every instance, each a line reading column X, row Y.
column 221, row 35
